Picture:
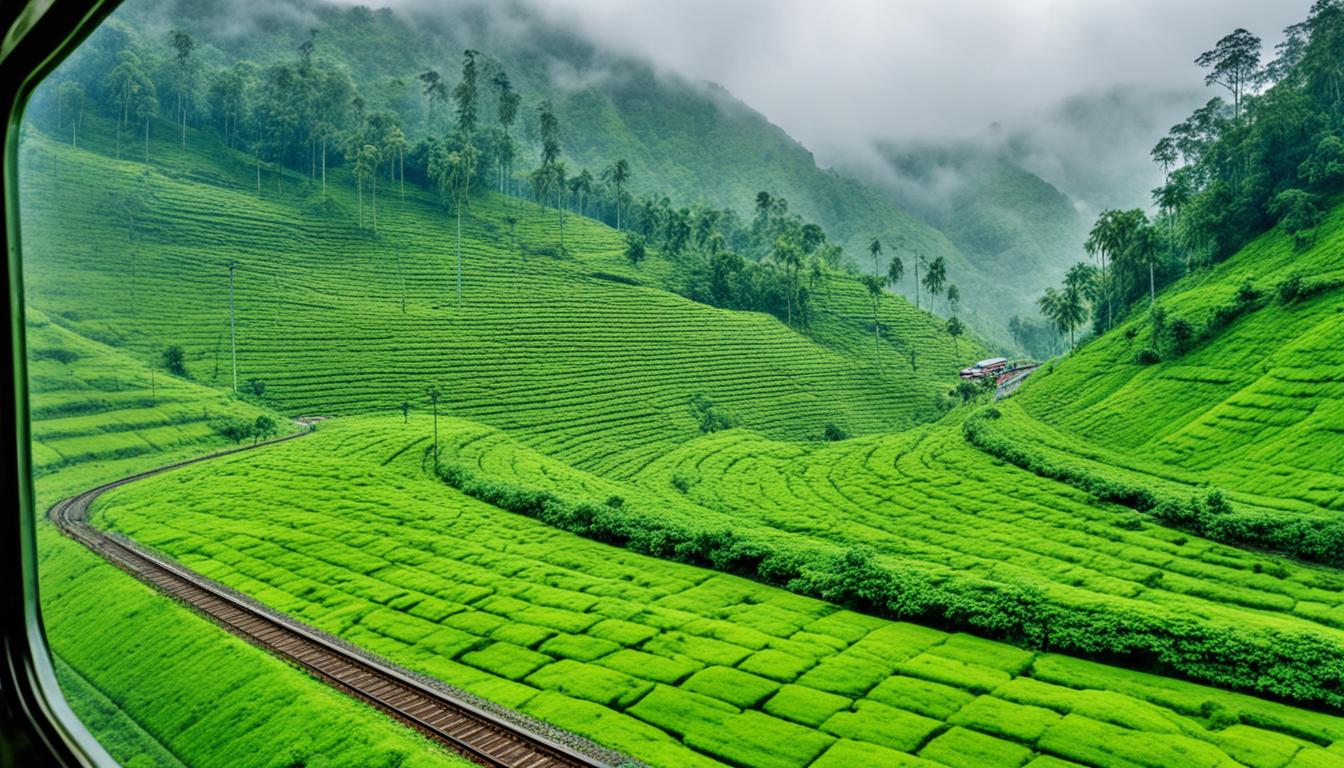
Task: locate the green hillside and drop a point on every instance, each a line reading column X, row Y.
column 1250, row 406
column 130, row 661
column 691, row 141
column 674, row 664
column 333, row 320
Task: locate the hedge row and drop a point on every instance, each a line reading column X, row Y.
column 1299, row 666
column 1319, row 540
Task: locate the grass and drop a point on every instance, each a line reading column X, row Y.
column 345, row 529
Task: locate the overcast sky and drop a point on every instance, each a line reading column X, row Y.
column 834, row 73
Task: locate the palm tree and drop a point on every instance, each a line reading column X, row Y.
column 1143, row 246
column 934, row 277
column 895, row 271
column 617, row 175
column 875, row 248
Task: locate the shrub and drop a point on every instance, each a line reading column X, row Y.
column 175, row 360
column 1181, row 333
column 834, row 432
column 236, row 430
column 966, row 390
column 709, row 416
column 1147, row 356
column 1290, row 288
column 257, row 387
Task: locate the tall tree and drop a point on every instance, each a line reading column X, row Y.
column 146, row 108
column 895, row 271
column 435, row 94
column 1233, row 63
column 465, row 97
column 875, row 248
column 366, row 170
column 184, row 75
column 70, row 97
column 124, row 82
column 935, row 275
column 617, row 175
column 953, row 299
column 506, row 112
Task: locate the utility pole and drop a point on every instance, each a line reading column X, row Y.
column 233, row 338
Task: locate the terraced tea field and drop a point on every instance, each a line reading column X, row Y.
column 98, row 413
column 151, row 680
column 1257, row 411
column 677, row 665
column 337, row 321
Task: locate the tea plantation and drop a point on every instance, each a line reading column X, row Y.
column 674, row 664
column 156, row 684
column 1254, row 407
column 590, row 418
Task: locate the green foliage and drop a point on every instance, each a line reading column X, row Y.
column 175, row 360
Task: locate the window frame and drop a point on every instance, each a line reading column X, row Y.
column 37, row 726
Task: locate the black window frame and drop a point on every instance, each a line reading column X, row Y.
column 37, row 726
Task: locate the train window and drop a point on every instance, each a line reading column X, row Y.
column 564, row 383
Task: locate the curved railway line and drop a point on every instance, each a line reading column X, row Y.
column 478, row 733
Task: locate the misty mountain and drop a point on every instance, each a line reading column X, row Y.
column 694, row 142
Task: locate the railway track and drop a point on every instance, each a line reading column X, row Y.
column 478, row 733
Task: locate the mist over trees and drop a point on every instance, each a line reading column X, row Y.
column 298, row 114
column 1266, row 151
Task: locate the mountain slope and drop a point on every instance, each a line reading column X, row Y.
column 1254, row 405
column 691, row 141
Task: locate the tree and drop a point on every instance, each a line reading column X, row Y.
column 434, row 92
column 70, row 97
column 955, row 329
column 874, row 285
column 394, row 145
column 617, row 175
column 506, row 111
column 895, row 271
column 263, row 428
column 464, row 95
column 581, row 187
column 124, row 82
column 953, row 298
column 1233, row 63
column 934, row 277
column 634, row 248
column 452, row 172
column 919, row 259
column 1181, row 333
column 184, row 75
column 366, row 169
column 875, row 248
column 175, row 360
column 1142, row 248
column 432, row 392
column 146, row 108
column 1298, row 211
